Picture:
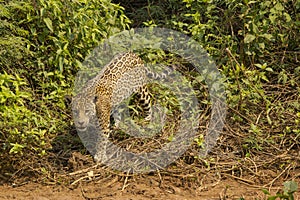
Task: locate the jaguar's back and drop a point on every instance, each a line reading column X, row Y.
column 118, row 79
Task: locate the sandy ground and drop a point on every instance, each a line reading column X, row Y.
column 132, row 190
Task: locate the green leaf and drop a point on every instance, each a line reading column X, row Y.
column 258, row 65
column 269, row 69
column 288, row 17
column 272, row 18
column 49, row 24
column 249, row 38
column 267, row 36
column 261, row 46
column 265, row 191
column 279, row 7
column 272, row 198
column 16, row 148
column 290, row 186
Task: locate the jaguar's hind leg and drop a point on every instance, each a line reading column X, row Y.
column 144, row 100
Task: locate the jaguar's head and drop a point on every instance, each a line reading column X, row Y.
column 84, row 110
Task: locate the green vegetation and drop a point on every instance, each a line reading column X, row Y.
column 255, row 45
column 289, row 188
column 41, row 45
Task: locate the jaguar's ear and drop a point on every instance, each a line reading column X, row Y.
column 68, row 100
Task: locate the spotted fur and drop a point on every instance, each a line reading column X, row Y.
column 121, row 77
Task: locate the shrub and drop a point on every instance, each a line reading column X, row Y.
column 256, row 47
column 41, row 44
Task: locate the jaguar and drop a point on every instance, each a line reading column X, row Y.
column 121, row 77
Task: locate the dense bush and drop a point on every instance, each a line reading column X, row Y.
column 255, row 44
column 41, row 44
column 256, row 47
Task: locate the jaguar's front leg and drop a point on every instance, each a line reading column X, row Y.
column 103, row 107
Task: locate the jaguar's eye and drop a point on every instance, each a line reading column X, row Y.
column 95, row 99
column 75, row 112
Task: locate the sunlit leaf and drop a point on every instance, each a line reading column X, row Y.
column 49, row 24
column 249, row 38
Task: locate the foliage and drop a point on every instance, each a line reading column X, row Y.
column 256, row 47
column 17, row 115
column 289, row 188
column 41, row 44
